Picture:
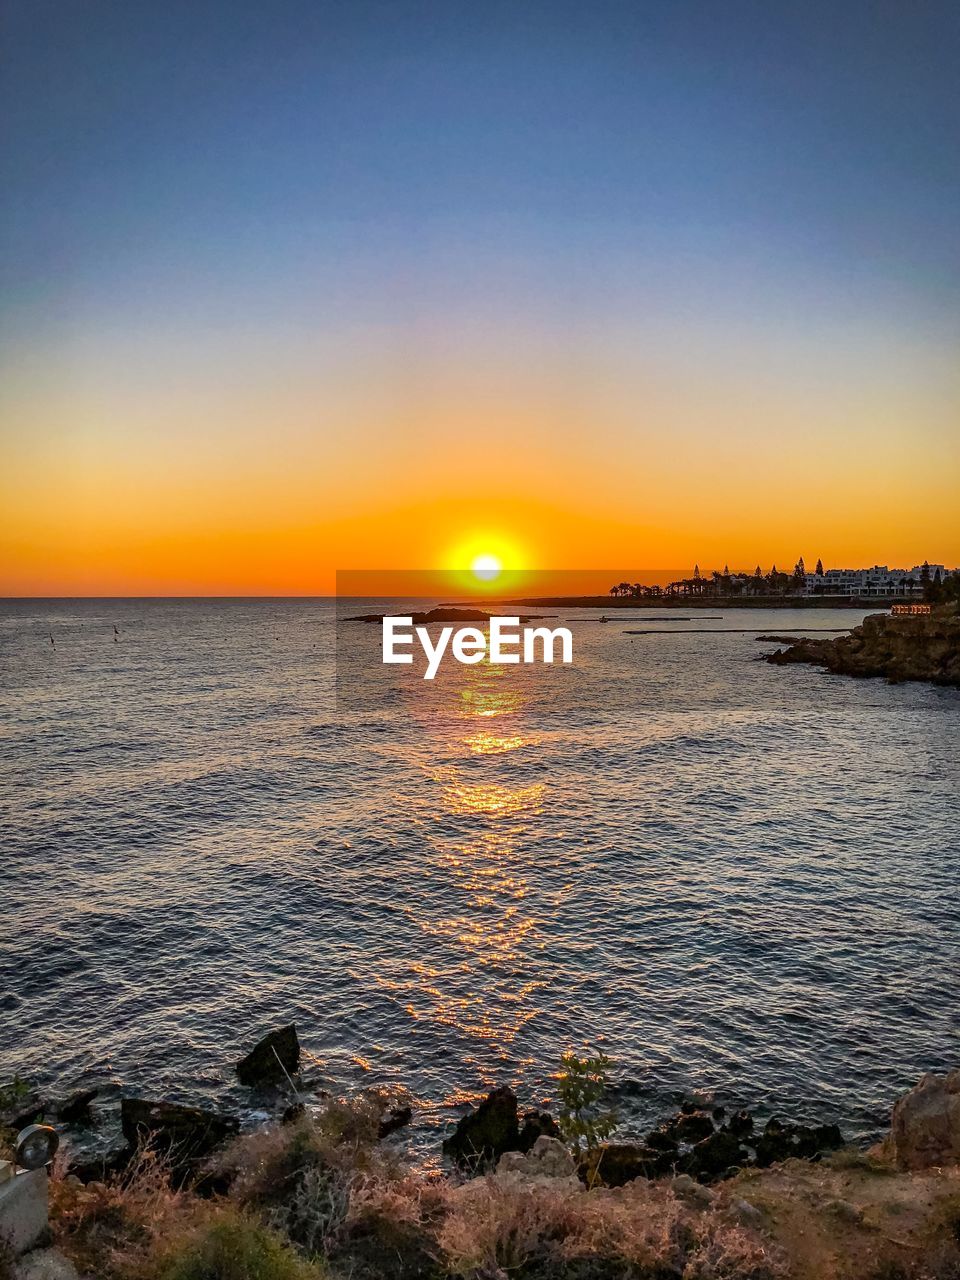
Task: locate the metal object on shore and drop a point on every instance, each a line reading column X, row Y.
column 36, row 1146
column 23, row 1188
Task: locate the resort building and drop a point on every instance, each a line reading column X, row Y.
column 879, row 581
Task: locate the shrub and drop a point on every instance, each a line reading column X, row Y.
column 110, row 1230
column 581, row 1085
column 233, row 1247
column 300, row 1176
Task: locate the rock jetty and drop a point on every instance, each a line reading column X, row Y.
column 924, row 647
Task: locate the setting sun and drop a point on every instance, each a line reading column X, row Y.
column 486, row 568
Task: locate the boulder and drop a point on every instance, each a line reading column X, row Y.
column 534, row 1125
column 75, row 1109
column 740, row 1124
column 397, row 1118
column 662, row 1140
column 780, row 1142
column 714, row 1156
column 547, row 1158
column 271, row 1060
column 925, row 1126
column 614, row 1164
column 185, row 1135
column 691, row 1126
column 486, row 1132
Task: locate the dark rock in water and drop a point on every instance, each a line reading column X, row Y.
column 781, row 1141
column 536, row 1124
column 810, row 1142
column 774, row 1144
column 186, row 1135
column 714, row 1156
column 486, row 1133
column 740, row 1124
column 30, row 1111
column 75, row 1109
column 396, row 1119
column 719, row 1113
column 691, row 1126
column 270, row 1061
column 661, row 1140
column 614, row 1164
column 293, row 1113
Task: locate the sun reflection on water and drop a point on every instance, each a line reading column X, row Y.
column 478, row 809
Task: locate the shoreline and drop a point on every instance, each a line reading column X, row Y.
column 326, row 1192
column 713, row 602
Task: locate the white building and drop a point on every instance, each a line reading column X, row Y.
column 876, row 582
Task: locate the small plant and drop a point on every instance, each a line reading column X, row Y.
column 13, row 1092
column 582, row 1084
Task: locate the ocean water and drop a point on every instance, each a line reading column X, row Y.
column 735, row 878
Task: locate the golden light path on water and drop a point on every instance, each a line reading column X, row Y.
column 478, row 840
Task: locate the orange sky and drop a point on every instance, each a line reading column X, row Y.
column 644, row 299
column 179, row 483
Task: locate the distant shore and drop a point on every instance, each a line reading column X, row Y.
column 709, row 602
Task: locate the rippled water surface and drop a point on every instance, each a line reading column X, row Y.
column 735, row 877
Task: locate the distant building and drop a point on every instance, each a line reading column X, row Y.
column 878, row 582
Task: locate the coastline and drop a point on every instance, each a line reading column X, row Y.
column 326, row 1192
column 686, row 602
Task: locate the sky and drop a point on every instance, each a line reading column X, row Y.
column 300, row 286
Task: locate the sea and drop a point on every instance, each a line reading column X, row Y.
column 740, row 881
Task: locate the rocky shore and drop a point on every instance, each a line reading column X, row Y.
column 925, row 647
column 324, row 1191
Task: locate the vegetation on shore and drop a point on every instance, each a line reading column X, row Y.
column 323, row 1196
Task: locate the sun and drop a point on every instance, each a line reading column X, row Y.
column 486, row 568
column 484, row 561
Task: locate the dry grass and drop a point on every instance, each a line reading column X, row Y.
column 111, row 1230
column 641, row 1230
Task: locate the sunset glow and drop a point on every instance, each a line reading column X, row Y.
column 632, row 312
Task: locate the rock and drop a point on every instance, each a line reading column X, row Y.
column 747, row 1214
column 844, row 1210
column 614, row 1164
column 691, row 1192
column 272, row 1059
column 774, row 1144
column 186, row 1135
column 44, row 1264
column 661, row 1140
column 714, row 1156
column 740, row 1124
column 810, row 1142
column 75, row 1109
column 396, row 1119
column 536, row 1124
column 488, row 1131
column 925, row 1125
column 21, row 1109
column 691, row 1126
column 780, row 1142
column 548, row 1158
column 900, row 648
column 101, row 1167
